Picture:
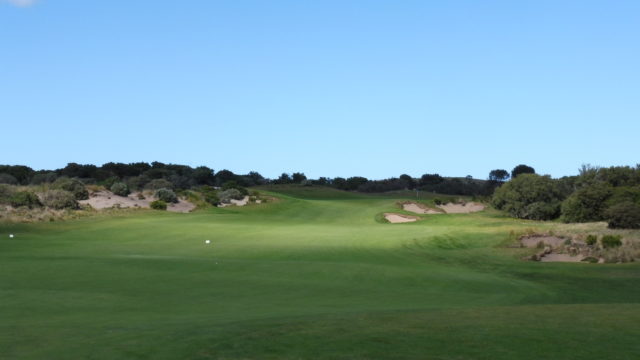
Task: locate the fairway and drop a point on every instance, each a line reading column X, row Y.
column 315, row 274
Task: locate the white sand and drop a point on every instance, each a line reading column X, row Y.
column 106, row 199
column 397, row 218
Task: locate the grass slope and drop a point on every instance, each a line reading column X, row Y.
column 312, row 275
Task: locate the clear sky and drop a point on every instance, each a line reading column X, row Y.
column 328, row 88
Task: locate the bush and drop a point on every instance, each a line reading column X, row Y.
column 234, row 185
column 6, row 192
column 108, row 183
column 592, row 239
column 44, row 177
column 25, row 198
column 167, row 195
column 158, row 184
column 137, row 182
column 529, row 196
column 120, row 189
column 227, row 195
column 59, row 199
column 624, row 215
column 611, row 241
column 8, row 179
column 74, row 186
column 158, row 205
column 586, row 204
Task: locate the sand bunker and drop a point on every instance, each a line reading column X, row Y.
column 533, row 241
column 106, row 199
column 554, row 249
column 244, row 201
column 418, row 209
column 397, row 218
column 466, row 208
column 561, row 258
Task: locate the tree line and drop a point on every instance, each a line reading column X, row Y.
column 140, row 174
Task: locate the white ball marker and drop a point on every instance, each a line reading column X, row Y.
column 207, row 241
column 11, row 236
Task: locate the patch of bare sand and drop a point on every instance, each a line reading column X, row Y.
column 418, row 208
column 397, row 218
column 106, row 199
column 532, row 241
column 561, row 258
column 242, row 202
column 465, row 208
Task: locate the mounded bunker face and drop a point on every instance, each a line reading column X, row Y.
column 561, row 258
column 418, row 208
column 106, row 200
column 546, row 240
column 465, row 208
column 397, row 218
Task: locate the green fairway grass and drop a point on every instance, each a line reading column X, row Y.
column 313, row 274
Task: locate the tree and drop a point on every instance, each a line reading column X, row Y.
column 283, row 179
column 498, row 175
column 411, row 183
column 297, row 177
column 625, row 215
column 203, row 175
column 522, row 169
column 223, row 176
column 587, row 203
column 430, row 179
column 529, row 196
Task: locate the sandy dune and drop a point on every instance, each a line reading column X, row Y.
column 397, row 218
column 106, row 199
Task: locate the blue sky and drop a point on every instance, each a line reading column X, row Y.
column 328, row 88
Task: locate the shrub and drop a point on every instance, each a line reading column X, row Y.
column 59, row 199
column 44, row 177
column 8, row 179
column 120, row 189
column 158, row 205
column 212, row 198
column 529, row 196
column 586, row 204
column 167, row 195
column 137, row 182
column 234, row 185
column 158, row 184
column 611, row 241
column 108, row 183
column 227, row 195
column 25, row 198
column 74, row 186
column 6, row 192
column 591, row 239
column 624, row 215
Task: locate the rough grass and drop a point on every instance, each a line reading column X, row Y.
column 312, row 275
